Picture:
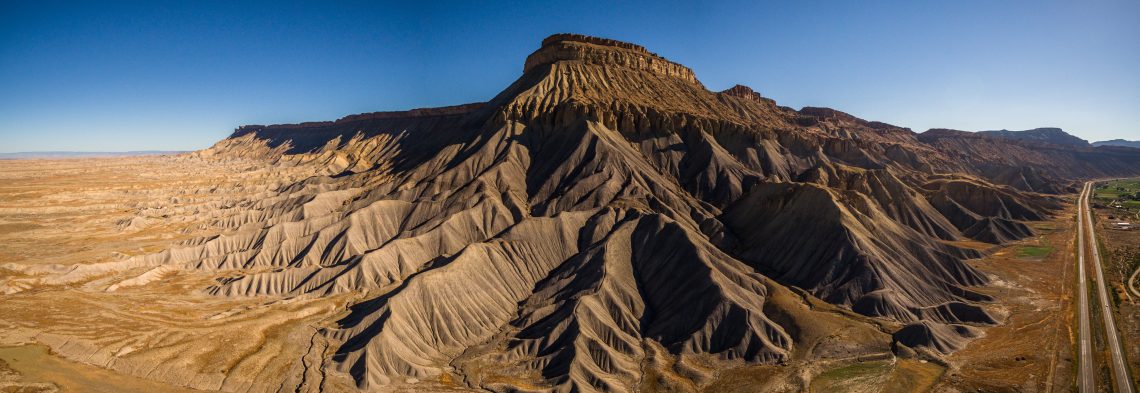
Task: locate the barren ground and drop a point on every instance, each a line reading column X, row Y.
column 1031, row 351
column 57, row 213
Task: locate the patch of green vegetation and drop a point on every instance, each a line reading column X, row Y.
column 1106, row 195
column 855, row 377
column 1034, row 251
column 1126, row 189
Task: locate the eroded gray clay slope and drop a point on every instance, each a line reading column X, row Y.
column 604, row 207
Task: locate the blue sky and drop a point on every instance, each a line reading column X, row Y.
column 181, row 75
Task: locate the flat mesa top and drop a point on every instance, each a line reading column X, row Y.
column 567, row 37
column 603, row 51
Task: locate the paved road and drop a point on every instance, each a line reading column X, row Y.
column 1119, row 367
column 1132, row 283
column 1086, row 382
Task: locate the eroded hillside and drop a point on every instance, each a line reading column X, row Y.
column 605, row 223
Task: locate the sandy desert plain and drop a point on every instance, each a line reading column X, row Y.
column 158, row 329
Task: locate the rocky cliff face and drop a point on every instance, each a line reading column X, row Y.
column 606, row 52
column 606, row 215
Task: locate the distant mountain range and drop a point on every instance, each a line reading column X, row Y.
column 82, row 154
column 1055, row 136
column 1118, row 142
column 1045, row 134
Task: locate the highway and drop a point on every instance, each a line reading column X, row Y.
column 1086, row 382
column 1132, row 283
column 1116, row 353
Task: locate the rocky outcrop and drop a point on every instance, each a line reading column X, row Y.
column 749, row 94
column 605, row 52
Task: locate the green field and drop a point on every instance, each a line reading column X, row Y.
column 903, row 375
column 1124, row 192
column 852, row 378
column 1034, row 251
column 1114, row 189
